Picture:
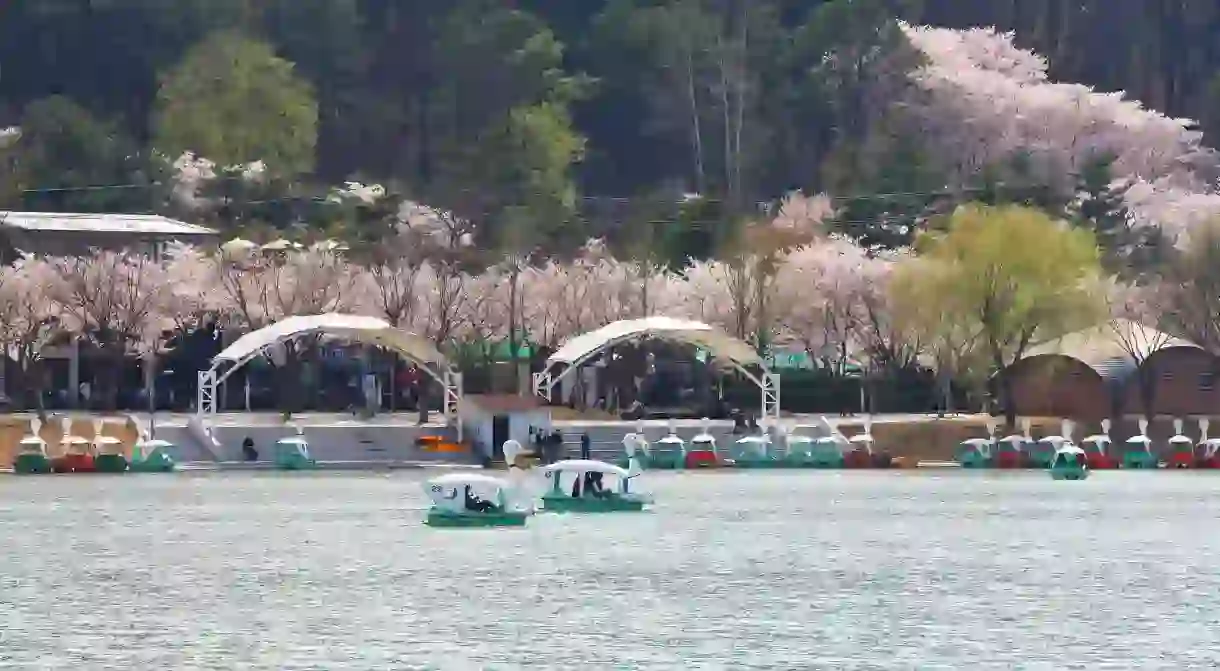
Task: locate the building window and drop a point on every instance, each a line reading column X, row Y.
column 1207, row 381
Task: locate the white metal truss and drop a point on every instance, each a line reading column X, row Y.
column 543, row 383
column 770, row 395
column 206, row 399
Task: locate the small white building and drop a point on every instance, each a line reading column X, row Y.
column 491, row 419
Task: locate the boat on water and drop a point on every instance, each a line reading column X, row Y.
column 292, row 453
column 1098, row 448
column 32, row 457
column 471, row 500
column 1139, row 452
column 1040, row 453
column 754, row 452
column 668, row 452
column 798, row 451
column 578, row 486
column 975, row 453
column 107, row 450
column 1069, row 463
column 76, row 453
column 152, row 456
column 702, row 451
column 1181, row 448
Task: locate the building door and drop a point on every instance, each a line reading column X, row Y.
column 499, row 434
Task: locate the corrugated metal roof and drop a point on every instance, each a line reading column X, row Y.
column 132, row 224
column 1111, row 349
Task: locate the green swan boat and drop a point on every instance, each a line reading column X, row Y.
column 668, row 453
column 32, row 456
column 755, row 452
column 107, row 450
column 1139, row 453
column 1069, row 463
column 471, row 500
column 975, row 453
column 152, row 456
column 292, row 454
column 587, row 494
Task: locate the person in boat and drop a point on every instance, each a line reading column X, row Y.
column 247, row 449
column 476, row 503
column 594, row 487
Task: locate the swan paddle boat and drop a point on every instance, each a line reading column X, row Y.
column 587, row 493
column 1139, row 452
column 1206, row 451
column 1010, row 451
column 292, row 453
column 471, row 500
column 1181, row 448
column 702, row 452
column 975, row 453
column 76, row 453
column 978, row 452
column 1069, row 463
column 108, row 450
column 151, row 456
column 753, row 452
column 861, row 454
column 1040, row 453
column 668, row 452
column 828, row 452
column 32, row 453
column 1097, row 447
column 798, row 451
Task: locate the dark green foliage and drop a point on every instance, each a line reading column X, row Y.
column 479, row 106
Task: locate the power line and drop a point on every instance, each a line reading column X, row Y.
column 590, row 199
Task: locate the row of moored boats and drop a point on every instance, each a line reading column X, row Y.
column 1096, row 452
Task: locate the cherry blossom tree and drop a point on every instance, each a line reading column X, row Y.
column 982, row 100
column 1135, row 313
column 820, row 297
column 115, row 299
column 28, row 319
column 713, row 292
column 566, row 298
column 1191, row 288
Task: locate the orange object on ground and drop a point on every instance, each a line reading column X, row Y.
column 438, row 444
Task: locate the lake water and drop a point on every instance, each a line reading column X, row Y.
column 881, row 570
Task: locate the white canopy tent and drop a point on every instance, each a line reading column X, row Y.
column 579, row 350
column 354, row 328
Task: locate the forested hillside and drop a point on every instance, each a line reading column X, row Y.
column 584, row 115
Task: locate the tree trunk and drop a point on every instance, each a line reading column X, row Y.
column 1147, row 388
column 1010, row 406
column 512, row 328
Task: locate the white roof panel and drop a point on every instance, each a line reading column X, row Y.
column 356, row 328
column 719, row 343
column 586, row 466
column 462, row 479
column 133, row 224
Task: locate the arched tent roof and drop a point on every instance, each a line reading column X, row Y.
column 368, row 330
column 719, row 343
column 1112, row 349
